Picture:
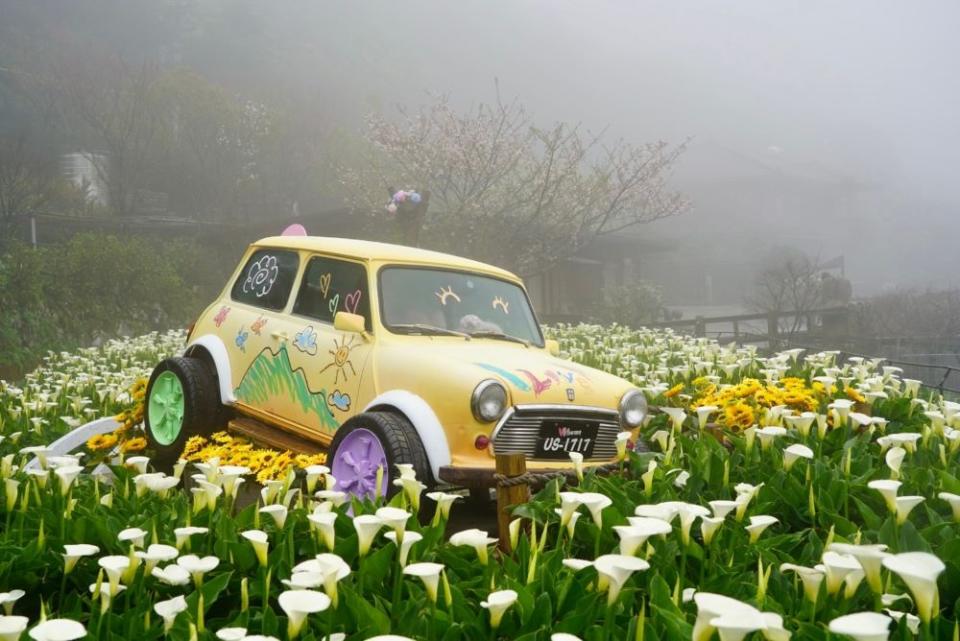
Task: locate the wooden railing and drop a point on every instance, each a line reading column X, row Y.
column 774, row 327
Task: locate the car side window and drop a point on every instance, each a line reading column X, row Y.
column 267, row 279
column 330, row 286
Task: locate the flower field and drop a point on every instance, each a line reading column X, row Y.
column 784, row 496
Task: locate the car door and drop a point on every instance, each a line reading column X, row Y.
column 250, row 324
column 332, row 361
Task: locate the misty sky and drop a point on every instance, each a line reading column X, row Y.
column 865, row 91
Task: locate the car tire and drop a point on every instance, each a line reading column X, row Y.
column 370, row 439
column 182, row 400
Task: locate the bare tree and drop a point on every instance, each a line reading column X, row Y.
column 505, row 190
column 789, row 281
column 109, row 108
column 26, row 181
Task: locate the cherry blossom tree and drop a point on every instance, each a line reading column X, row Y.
column 500, row 188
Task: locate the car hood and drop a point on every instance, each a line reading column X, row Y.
column 531, row 375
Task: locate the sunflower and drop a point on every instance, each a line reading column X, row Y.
column 738, row 415
column 136, row 444
column 673, row 391
column 855, row 395
column 101, row 442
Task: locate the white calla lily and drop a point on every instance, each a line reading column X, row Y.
column 919, row 570
column 367, row 526
column 862, row 626
column 261, row 544
column 297, row 604
column 758, row 524
column 614, row 570
column 58, row 630
column 477, row 539
column 429, row 573
column 498, row 603
column 169, row 609
column 870, row 558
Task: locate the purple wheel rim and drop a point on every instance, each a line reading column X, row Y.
column 356, row 461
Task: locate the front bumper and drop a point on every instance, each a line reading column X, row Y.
column 482, row 477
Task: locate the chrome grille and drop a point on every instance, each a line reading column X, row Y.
column 520, row 426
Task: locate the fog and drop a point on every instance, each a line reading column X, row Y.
column 863, row 94
column 826, row 126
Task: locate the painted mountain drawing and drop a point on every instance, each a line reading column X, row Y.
column 271, row 376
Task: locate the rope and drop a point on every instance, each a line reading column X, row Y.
column 541, row 478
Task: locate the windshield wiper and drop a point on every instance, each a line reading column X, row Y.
column 501, row 335
column 428, row 329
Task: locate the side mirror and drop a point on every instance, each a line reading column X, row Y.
column 553, row 347
column 347, row 322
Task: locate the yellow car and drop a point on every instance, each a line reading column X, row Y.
column 384, row 354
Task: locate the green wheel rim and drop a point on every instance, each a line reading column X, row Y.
column 165, row 408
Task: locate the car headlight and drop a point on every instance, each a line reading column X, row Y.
column 489, row 400
column 633, row 408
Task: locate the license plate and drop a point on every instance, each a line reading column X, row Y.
column 557, row 438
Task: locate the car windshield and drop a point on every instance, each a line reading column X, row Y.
column 424, row 300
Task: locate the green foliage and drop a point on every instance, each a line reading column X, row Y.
column 93, row 287
column 633, row 305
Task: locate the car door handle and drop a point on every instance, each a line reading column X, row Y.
column 280, row 336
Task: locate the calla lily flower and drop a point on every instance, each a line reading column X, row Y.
column 183, row 534
column 323, row 522
column 919, row 570
column 577, row 564
column 794, row 452
column 633, row 536
column 169, row 609
column 336, row 497
column 197, row 566
column 577, row 459
column 768, row 434
column 11, row 627
column 811, row 577
column 665, row 511
column 708, row 527
column 412, row 488
column 710, row 606
column 66, row 476
column 954, row 501
column 232, row 634
column 851, row 582
column 722, row 508
column 73, row 553
column 689, row 512
column 261, row 544
column 894, row 459
column 367, row 526
column 429, row 573
column 139, row 463
column 564, row 636
column 870, row 558
column 154, row 554
column 647, row 477
column 905, row 505
column 297, row 604
column 115, row 566
column 396, row 519
column 444, row 502
column 313, row 474
column 677, row 416
column 171, row 575
column 735, row 626
column 621, row 442
column 304, row 580
column 596, row 503
column 836, row 569
column 477, row 539
column 277, row 511
column 758, row 524
column 863, row 626
column 409, row 538
column 205, row 495
column 134, row 535
column 498, row 603
column 569, row 502
column 8, row 599
column 802, row 423
column 11, row 490
column 571, row 524
column 332, row 568
column 614, row 570
column 703, row 414
column 58, row 630
column 662, row 438
column 913, row 621
column 888, row 489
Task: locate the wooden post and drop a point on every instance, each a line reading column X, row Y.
column 510, row 464
column 736, row 331
column 773, row 329
column 699, row 327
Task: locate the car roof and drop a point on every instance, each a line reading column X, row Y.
column 381, row 252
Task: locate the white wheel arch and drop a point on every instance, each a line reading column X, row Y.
column 421, row 416
column 218, row 352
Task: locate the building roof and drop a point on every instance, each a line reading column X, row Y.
column 381, row 252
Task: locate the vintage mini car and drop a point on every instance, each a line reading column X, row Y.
column 384, row 354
